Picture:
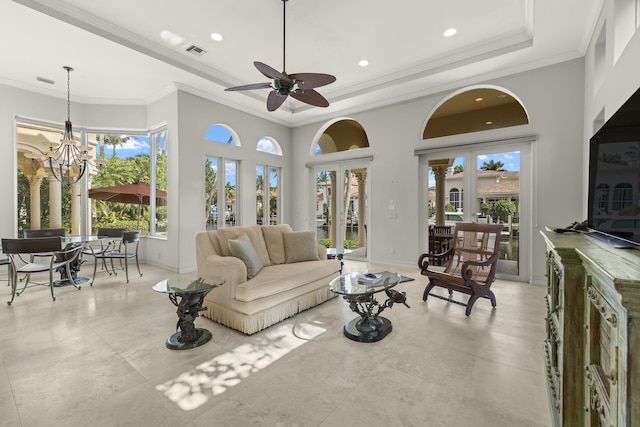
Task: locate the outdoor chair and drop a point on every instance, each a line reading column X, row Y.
column 127, row 249
column 471, row 267
column 111, row 239
column 47, row 232
column 60, row 261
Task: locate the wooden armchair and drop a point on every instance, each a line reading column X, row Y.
column 471, row 266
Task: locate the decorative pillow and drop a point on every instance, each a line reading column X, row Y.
column 243, row 249
column 300, row 246
column 275, row 245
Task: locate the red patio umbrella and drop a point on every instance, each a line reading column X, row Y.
column 129, row 193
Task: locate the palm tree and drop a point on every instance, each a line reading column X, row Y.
column 114, row 141
column 492, row 166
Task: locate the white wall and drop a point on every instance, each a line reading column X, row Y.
column 553, row 97
column 195, row 116
column 618, row 80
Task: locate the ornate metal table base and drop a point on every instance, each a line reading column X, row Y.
column 368, row 329
column 187, row 335
column 174, row 343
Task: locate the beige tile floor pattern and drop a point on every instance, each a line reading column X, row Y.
column 96, row 357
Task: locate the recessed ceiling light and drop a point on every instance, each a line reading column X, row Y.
column 216, row 37
column 363, row 63
column 450, row 32
column 488, row 122
column 479, row 99
column 172, row 38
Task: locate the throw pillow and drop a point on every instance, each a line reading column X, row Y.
column 275, row 245
column 300, row 246
column 243, row 249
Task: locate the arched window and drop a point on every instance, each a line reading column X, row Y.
column 622, row 196
column 455, row 198
column 221, row 134
column 342, row 135
column 269, row 145
column 475, row 110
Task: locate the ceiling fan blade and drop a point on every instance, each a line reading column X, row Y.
column 249, row 87
column 312, row 80
column 274, row 101
column 272, row 73
column 311, row 97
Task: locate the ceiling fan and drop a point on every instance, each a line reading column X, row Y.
column 299, row 85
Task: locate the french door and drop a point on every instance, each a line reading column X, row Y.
column 340, row 194
column 487, row 184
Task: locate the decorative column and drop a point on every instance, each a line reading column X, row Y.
column 75, row 209
column 362, row 208
column 439, row 172
column 333, row 225
column 55, row 203
column 35, row 212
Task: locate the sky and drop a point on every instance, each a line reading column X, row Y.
column 511, row 161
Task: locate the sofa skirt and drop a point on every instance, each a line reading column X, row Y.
column 251, row 323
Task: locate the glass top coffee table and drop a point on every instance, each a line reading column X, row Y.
column 191, row 290
column 359, row 289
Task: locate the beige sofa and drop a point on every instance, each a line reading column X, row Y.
column 295, row 274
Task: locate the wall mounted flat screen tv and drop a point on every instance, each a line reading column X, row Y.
column 614, row 178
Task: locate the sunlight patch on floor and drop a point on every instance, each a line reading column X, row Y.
column 192, row 389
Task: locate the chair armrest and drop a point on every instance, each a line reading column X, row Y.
column 423, row 265
column 466, row 272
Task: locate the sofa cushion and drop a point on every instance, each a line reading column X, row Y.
column 300, row 246
column 275, row 244
column 277, row 279
column 243, row 249
column 255, row 235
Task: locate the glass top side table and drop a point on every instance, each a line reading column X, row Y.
column 191, row 290
column 359, row 291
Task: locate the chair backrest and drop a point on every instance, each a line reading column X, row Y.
column 49, row 232
column 439, row 231
column 475, row 242
column 111, row 232
column 31, row 246
column 130, row 237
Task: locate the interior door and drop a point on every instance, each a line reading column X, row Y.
column 341, row 207
column 485, row 185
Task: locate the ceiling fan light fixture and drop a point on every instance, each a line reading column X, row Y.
column 300, row 86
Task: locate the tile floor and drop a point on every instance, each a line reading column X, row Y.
column 96, row 357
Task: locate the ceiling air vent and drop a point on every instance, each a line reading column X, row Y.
column 43, row 80
column 195, row 50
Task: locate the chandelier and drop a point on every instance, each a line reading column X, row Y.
column 68, row 160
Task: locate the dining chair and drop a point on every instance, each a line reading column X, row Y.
column 128, row 249
column 60, row 261
column 47, row 232
column 110, row 239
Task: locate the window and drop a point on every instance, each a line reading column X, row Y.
column 159, row 150
column 221, row 134
column 622, row 196
column 602, row 197
column 131, row 159
column 269, row 145
column 267, row 194
column 455, row 198
column 221, row 186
